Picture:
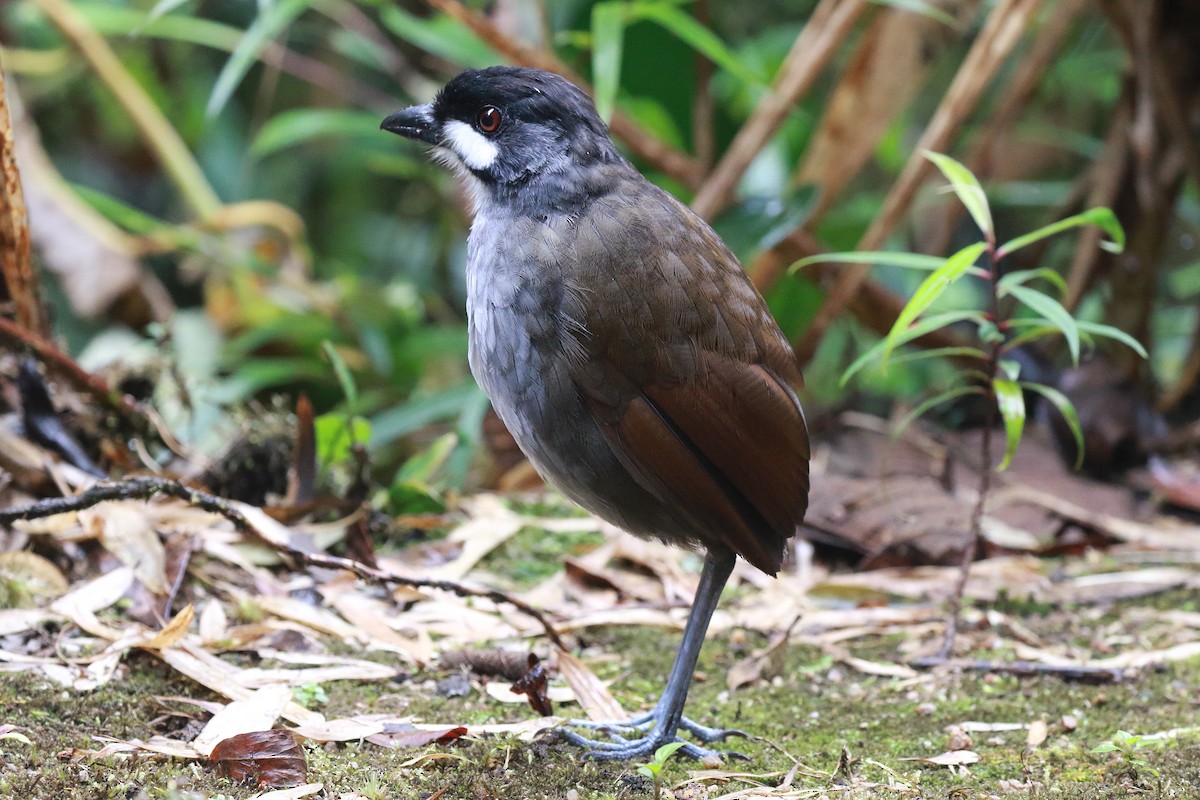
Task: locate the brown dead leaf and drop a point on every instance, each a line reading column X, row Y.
column 592, row 694
column 173, row 631
column 408, row 737
column 533, row 685
column 125, row 530
column 258, row 712
column 268, row 759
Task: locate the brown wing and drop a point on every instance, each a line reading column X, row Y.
column 694, row 399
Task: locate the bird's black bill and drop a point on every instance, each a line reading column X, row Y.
column 414, row 122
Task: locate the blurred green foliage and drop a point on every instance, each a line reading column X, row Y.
column 280, row 101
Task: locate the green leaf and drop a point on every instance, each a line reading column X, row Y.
column 697, row 36
column 439, row 35
column 938, row 352
column 294, row 127
column 269, row 24
column 1023, row 276
column 1011, row 402
column 422, row 466
column 649, row 770
column 113, row 21
column 1107, row 747
column 930, row 289
column 608, row 42
column 1100, row 216
column 1116, row 334
column 336, row 434
column 924, row 326
column 936, row 400
column 342, row 371
column 666, row 751
column 917, row 261
column 1066, row 408
column 421, row 410
column 1054, row 313
column 969, row 192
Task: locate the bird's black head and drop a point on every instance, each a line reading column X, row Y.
column 506, row 125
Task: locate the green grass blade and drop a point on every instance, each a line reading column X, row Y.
column 698, row 37
column 294, row 127
column 1023, row 276
column 1116, row 334
column 266, row 26
column 608, row 42
column 917, row 261
column 1067, row 409
column 969, row 192
column 936, row 400
column 1099, row 216
column 930, row 289
column 1010, row 400
column 922, row 327
column 1054, row 313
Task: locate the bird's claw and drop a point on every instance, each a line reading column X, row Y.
column 622, row 748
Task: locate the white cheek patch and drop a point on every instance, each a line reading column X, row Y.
column 476, row 151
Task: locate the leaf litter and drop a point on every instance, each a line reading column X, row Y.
column 248, row 598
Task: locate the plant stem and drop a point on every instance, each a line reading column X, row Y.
column 975, row 534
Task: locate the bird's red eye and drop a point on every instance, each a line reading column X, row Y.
column 488, row 120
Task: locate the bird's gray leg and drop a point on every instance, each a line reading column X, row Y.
column 660, row 725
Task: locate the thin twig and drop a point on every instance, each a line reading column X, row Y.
column 657, row 153
column 1000, row 34
column 831, row 20
column 1027, row 669
column 144, row 488
column 62, row 364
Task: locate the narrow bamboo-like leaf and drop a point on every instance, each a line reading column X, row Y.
column 922, row 327
column 930, row 289
column 1009, row 368
column 440, row 35
column 1023, row 276
column 608, row 39
column 917, row 261
column 291, row 128
column 938, row 352
column 1054, row 313
column 1066, row 408
column 342, row 371
column 1116, row 334
column 969, row 192
column 700, row 38
column 936, row 400
column 1099, row 216
column 113, row 21
column 266, row 26
column 1011, row 403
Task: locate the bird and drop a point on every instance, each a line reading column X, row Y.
column 624, row 347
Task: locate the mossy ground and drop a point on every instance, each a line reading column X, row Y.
column 810, row 712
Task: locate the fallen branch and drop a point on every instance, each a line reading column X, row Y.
column 1027, row 669
column 144, row 488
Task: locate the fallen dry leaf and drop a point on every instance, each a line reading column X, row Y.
column 258, row 712
column 268, row 759
column 1038, row 731
column 533, row 685
column 591, row 692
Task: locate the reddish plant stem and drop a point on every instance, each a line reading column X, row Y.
column 971, row 549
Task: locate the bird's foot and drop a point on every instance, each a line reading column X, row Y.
column 622, row 748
